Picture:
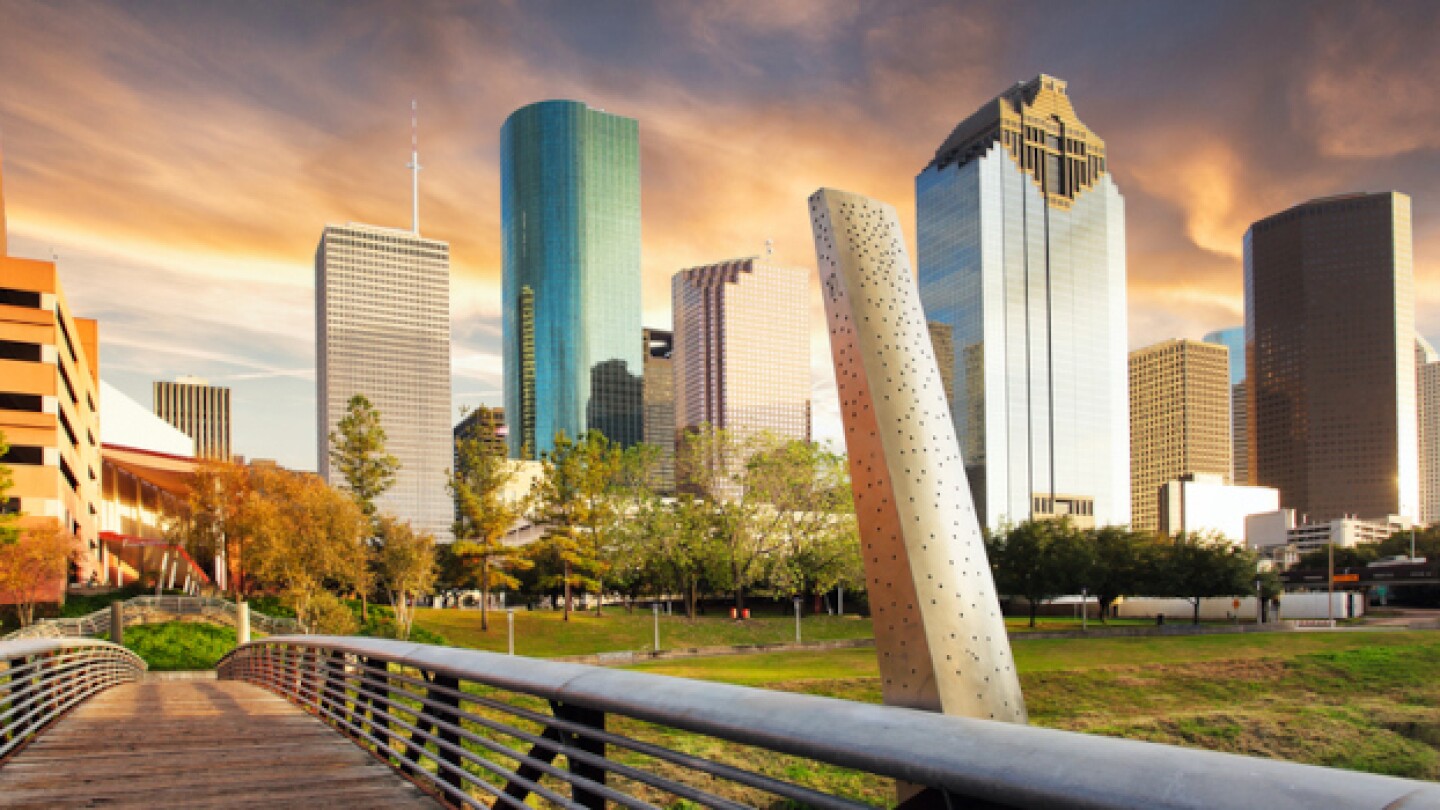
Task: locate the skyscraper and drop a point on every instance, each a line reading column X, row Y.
column 570, row 220
column 1427, row 398
column 659, row 347
column 1179, row 420
column 1330, row 344
column 1234, row 340
column 1022, row 252
column 382, row 324
column 742, row 348
column 200, row 410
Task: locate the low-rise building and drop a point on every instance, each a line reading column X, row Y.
column 1204, row 503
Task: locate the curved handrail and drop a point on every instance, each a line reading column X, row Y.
column 368, row 688
column 42, row 678
column 96, row 623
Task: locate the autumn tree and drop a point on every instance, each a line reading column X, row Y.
column 405, row 569
column 575, row 504
column 9, row 533
column 31, row 567
column 486, row 509
column 211, row 522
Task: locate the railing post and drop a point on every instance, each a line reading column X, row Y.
column 242, row 623
column 447, row 729
column 117, row 622
column 594, row 719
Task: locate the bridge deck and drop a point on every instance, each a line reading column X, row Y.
column 197, row 744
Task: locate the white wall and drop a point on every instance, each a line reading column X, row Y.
column 126, row 423
column 1292, row 606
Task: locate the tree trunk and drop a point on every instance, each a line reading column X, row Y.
column 484, row 594
column 567, row 591
column 691, row 598
column 364, row 607
column 1195, row 619
column 1034, row 609
column 1104, row 603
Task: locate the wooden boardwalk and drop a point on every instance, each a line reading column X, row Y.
column 198, row 744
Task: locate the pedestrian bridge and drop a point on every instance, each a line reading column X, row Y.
column 356, row 723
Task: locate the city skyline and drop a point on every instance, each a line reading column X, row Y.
column 150, row 167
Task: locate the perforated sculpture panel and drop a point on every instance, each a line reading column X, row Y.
column 938, row 628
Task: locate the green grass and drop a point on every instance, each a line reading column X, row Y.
column 544, row 634
column 1362, row 701
column 180, row 645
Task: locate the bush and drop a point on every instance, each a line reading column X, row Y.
column 331, row 616
column 180, row 645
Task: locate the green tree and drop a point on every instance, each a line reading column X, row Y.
column 809, row 488
column 357, row 449
column 485, row 512
column 405, row 568
column 1196, row 566
column 1039, row 560
column 576, row 505
column 9, row 532
column 1121, row 561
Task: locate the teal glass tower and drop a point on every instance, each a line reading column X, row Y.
column 570, row 221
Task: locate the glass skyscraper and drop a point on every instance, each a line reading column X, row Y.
column 1022, row 252
column 570, row 222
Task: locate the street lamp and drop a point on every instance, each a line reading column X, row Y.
column 1259, row 604
column 1084, row 608
column 797, row 620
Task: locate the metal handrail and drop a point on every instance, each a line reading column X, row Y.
column 97, row 623
column 467, row 723
column 41, row 679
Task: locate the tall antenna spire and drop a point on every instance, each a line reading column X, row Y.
column 414, row 167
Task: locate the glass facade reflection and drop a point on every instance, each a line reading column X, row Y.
column 1022, row 252
column 570, row 221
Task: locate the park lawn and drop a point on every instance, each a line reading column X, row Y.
column 180, row 645
column 1365, row 701
column 545, row 634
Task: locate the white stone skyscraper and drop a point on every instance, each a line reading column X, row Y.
column 1427, row 407
column 1021, row 251
column 382, row 329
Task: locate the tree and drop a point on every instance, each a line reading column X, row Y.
column 684, row 546
column 357, row 449
column 808, row 487
column 405, row 565
column 1195, row 566
column 631, row 564
column 31, row 566
column 574, row 499
column 1121, row 561
column 1039, row 560
column 485, row 512
column 9, row 533
column 307, row 539
column 212, row 522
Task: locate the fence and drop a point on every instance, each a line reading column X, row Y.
column 471, row 724
column 41, row 679
column 153, row 609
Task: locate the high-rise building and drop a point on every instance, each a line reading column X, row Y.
column 487, row 425
column 200, row 410
column 1234, row 340
column 570, row 222
column 659, row 348
column 742, row 348
column 1427, row 399
column 382, row 324
column 942, row 341
column 1330, row 345
column 1022, row 252
column 49, row 412
column 1179, row 420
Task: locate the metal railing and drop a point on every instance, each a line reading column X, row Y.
column 482, row 729
column 41, row 679
column 139, row 608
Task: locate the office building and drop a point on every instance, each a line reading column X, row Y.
column 659, row 348
column 1179, row 420
column 1201, row 503
column 942, row 341
column 1234, row 340
column 570, row 246
column 382, row 323
column 742, row 348
column 200, row 410
column 1330, row 339
column 1268, row 530
column 1021, row 237
column 1427, row 406
column 487, row 425
column 49, row 412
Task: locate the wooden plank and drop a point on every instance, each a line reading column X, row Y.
column 199, row 744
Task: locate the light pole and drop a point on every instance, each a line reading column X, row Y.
column 1259, row 604
column 656, row 607
column 1084, row 608
column 1330, row 583
column 797, row 620
column 510, row 627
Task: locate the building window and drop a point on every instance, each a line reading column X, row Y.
column 21, row 402
column 12, row 350
column 19, row 298
column 24, row 454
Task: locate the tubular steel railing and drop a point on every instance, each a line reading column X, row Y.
column 140, row 608
column 480, row 729
column 41, row 679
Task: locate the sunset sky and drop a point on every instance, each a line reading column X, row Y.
column 181, row 158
